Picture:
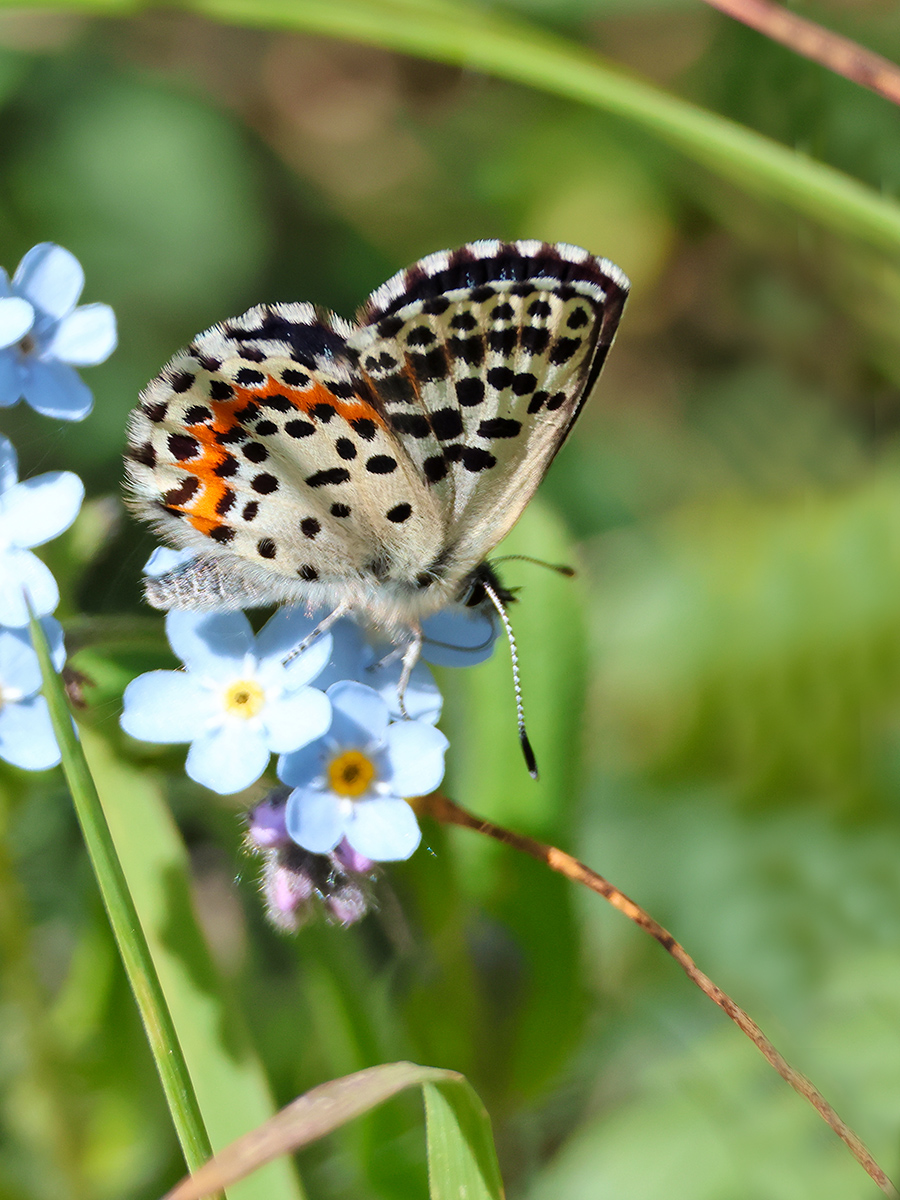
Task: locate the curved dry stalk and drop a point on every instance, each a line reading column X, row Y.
column 446, row 811
column 839, row 54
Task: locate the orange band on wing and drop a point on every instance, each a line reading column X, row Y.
column 204, row 506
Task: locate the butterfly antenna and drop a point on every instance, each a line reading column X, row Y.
column 560, row 568
column 530, row 760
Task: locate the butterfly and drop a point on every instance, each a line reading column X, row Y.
column 371, row 467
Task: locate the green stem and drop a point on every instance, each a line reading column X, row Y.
column 477, row 39
column 126, row 926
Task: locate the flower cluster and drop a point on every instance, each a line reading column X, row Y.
column 43, row 336
column 331, row 712
column 350, row 752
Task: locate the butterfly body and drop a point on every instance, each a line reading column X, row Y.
column 371, row 467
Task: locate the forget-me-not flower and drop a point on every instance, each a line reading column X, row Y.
column 26, row 734
column 237, row 701
column 352, row 782
column 44, row 336
column 380, row 667
column 31, row 513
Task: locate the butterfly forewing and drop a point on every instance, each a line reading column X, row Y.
column 267, row 460
column 374, row 465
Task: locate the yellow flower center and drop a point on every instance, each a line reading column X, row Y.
column 244, row 698
column 350, row 773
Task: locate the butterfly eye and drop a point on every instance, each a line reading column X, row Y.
column 475, row 595
column 475, row 588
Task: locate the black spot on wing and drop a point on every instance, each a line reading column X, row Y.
column 332, row 475
column 179, row 496
column 307, row 342
column 473, row 458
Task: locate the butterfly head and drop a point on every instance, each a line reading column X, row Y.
column 474, row 594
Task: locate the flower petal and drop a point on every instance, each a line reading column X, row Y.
column 53, row 632
column 9, row 464
column 282, row 634
column 360, row 714
column 416, row 751
column 16, row 318
column 351, row 654
column 167, row 706
column 20, row 670
column 301, row 767
column 458, row 637
column 27, row 739
column 213, row 644
column 22, row 572
column 295, row 720
column 11, row 378
column 50, row 277
column 384, row 829
column 314, row 819
column 228, row 759
column 422, row 699
column 165, row 559
column 83, row 338
column 36, row 510
column 54, row 390
column 265, row 822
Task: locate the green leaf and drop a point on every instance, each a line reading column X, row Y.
column 462, row 1163
column 462, row 1160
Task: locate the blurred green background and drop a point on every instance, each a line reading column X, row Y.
column 715, row 700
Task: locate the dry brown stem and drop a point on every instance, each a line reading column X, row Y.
column 446, row 811
column 839, row 54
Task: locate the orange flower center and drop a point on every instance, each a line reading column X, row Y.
column 351, row 773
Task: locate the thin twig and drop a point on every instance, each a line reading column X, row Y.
column 442, row 809
column 840, row 54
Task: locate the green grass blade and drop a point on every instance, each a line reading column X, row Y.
column 461, row 1156
column 462, row 1160
column 229, row 1081
column 462, row 34
column 124, row 919
column 478, row 39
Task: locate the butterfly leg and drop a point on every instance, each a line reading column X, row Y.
column 323, row 626
column 410, row 658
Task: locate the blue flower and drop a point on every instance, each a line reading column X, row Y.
column 43, row 336
column 31, row 513
column 351, row 783
column 455, row 637
column 237, row 702
column 26, row 734
column 459, row 637
column 380, row 668
column 353, row 657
